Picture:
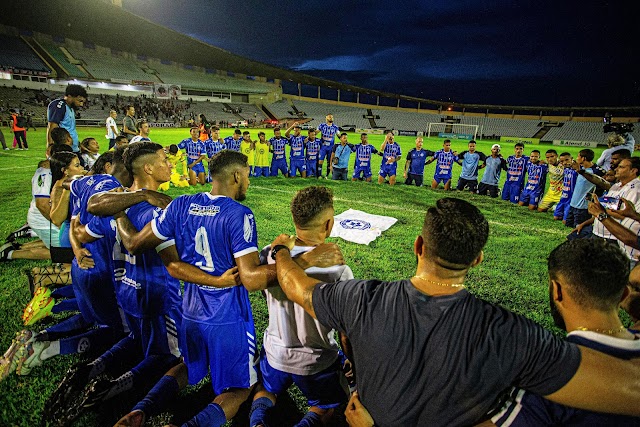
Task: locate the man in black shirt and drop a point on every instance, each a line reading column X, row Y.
column 427, row 352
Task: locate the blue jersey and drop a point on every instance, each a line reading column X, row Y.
column 104, row 229
column 492, row 170
column 391, row 150
column 528, row 409
column 313, row 148
column 81, row 191
column 328, row 133
column 146, row 289
column 363, row 155
column 232, row 144
column 60, row 113
column 418, row 158
column 536, row 176
column 516, row 168
column 193, row 148
column 212, row 147
column 568, row 182
column 297, row 147
column 277, row 145
column 210, row 232
column 444, row 162
column 470, row 164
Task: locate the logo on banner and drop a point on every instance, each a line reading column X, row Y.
column 355, row 224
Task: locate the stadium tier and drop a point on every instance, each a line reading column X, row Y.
column 405, row 120
column 16, row 54
column 104, row 66
column 59, row 56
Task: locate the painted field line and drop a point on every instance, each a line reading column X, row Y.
column 17, row 167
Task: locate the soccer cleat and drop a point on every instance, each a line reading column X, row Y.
column 32, row 282
column 29, row 356
column 132, row 419
column 4, row 251
column 96, row 391
column 24, row 231
column 39, row 307
column 8, row 362
column 70, row 390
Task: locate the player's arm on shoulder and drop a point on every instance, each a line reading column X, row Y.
column 133, row 240
column 190, row 273
column 117, row 200
column 602, row 383
column 82, row 255
column 255, row 277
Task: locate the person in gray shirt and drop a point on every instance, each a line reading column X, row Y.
column 494, row 164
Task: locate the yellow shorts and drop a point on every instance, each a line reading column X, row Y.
column 550, row 198
column 176, row 181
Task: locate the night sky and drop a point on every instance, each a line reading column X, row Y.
column 562, row 53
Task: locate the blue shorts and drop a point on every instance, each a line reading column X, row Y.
column 229, row 351
column 312, row 168
column 159, row 334
column 511, row 191
column 278, row 165
column 326, row 389
column 530, row 197
column 297, row 165
column 198, row 169
column 63, row 235
column 562, row 208
column 96, row 297
column 260, row 171
column 388, row 170
column 364, row 171
column 442, row 178
column 325, row 152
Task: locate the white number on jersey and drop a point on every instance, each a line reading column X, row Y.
column 202, row 248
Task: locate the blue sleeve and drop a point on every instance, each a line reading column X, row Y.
column 244, row 234
column 524, row 409
column 57, row 111
column 411, row 151
column 164, row 227
column 182, row 144
column 95, row 227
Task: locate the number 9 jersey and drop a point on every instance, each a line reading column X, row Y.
column 210, row 232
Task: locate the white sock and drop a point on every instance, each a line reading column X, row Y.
column 9, row 255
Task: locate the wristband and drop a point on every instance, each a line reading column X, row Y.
column 278, row 248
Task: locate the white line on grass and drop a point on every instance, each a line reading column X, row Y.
column 404, row 209
column 16, row 167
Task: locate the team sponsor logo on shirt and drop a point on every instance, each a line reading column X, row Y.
column 355, row 224
column 248, row 228
column 100, row 185
column 199, row 210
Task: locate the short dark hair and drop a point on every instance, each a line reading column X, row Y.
column 59, row 135
column 237, row 132
column 130, row 106
column 552, row 151
column 59, row 148
column 262, row 133
column 587, row 153
column 518, row 144
column 445, row 141
column 138, row 150
column 343, row 134
column 98, row 166
column 121, row 137
column 363, row 134
column 118, row 154
column 309, row 203
column 535, row 151
column 246, row 132
column 596, row 272
column 471, row 142
column 623, row 153
column 75, row 90
column 173, row 148
column 85, row 142
column 455, row 231
column 635, row 164
column 226, row 160
column 566, row 153
column 311, row 130
column 276, row 129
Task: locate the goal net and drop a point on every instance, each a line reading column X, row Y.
column 452, row 131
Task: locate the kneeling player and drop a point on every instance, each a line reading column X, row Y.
column 444, row 165
column 362, row 169
column 279, row 160
column 313, row 151
column 470, row 162
column 196, row 152
column 556, row 172
column 175, row 156
column 414, row 167
column 296, row 154
column 536, row 180
column 391, row 152
column 261, row 167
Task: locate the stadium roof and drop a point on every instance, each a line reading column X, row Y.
column 104, row 24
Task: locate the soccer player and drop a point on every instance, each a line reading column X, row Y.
column 470, row 162
column 556, row 175
column 578, row 213
column 233, row 142
column 585, row 292
column 129, row 125
column 517, row 165
column 196, row 152
column 112, row 128
column 279, row 159
column 261, row 167
column 568, row 183
column 296, row 348
column 214, row 144
column 414, row 167
column 248, row 148
column 391, row 152
column 340, row 158
column 296, row 154
column 313, row 149
column 494, row 165
column 215, row 233
column 328, row 131
column 364, row 150
column 144, row 130
column 536, row 181
column 175, row 157
column 444, row 165
column 61, row 113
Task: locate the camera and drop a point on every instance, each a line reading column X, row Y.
column 612, row 203
column 618, row 128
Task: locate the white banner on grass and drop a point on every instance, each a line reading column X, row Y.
column 360, row 227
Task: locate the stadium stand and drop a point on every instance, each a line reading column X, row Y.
column 579, row 131
column 109, row 67
column 16, row 54
column 343, row 114
column 495, row 127
column 57, row 55
column 393, row 119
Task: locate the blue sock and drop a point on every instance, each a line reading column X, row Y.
column 159, row 397
column 211, row 416
column 83, row 342
column 123, row 355
column 310, row 419
column 151, row 369
column 259, row 409
column 63, row 292
column 72, row 324
column 65, row 305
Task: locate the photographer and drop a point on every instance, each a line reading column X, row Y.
column 624, row 225
column 616, row 141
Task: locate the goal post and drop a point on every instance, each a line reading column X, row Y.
column 457, row 131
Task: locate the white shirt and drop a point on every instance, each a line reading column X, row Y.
column 40, row 188
column 111, row 124
column 294, row 341
column 630, row 191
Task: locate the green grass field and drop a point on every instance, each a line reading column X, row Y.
column 512, row 275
